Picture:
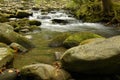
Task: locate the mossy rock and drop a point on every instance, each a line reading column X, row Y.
column 35, row 22
column 7, row 38
column 7, row 35
column 77, row 38
column 25, row 24
column 3, row 44
column 97, row 58
column 6, row 56
column 22, row 14
column 58, row 40
column 4, row 27
column 3, row 19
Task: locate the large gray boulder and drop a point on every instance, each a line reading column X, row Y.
column 43, row 72
column 101, row 57
column 7, row 35
column 6, row 56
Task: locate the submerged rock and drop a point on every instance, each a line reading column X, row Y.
column 43, row 72
column 58, row 40
column 77, row 38
column 101, row 57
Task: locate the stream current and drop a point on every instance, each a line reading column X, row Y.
column 70, row 24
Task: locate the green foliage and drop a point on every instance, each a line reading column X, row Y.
column 92, row 11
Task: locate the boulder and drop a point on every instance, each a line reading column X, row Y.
column 101, row 57
column 91, row 41
column 35, row 22
column 23, row 13
column 7, row 35
column 6, row 56
column 77, row 38
column 18, row 47
column 43, row 72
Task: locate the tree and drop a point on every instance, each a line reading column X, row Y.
column 107, row 6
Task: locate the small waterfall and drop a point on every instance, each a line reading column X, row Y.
column 71, row 24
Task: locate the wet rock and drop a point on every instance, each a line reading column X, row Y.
column 28, row 36
column 22, row 14
column 77, row 38
column 35, row 8
column 97, row 58
column 24, row 30
column 43, row 72
column 35, row 22
column 7, row 35
column 18, row 47
column 59, row 21
column 8, row 74
column 6, row 56
column 5, row 26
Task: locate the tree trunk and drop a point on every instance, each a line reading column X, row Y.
column 107, row 6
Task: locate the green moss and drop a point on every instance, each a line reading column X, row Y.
column 25, row 24
column 77, row 38
column 3, row 45
column 92, row 11
column 35, row 22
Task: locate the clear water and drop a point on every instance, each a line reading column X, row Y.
column 73, row 24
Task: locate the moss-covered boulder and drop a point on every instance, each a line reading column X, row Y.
column 6, row 56
column 4, row 27
column 101, row 57
column 25, row 25
column 3, row 44
column 43, row 72
column 22, row 14
column 58, row 40
column 7, row 35
column 77, row 38
column 35, row 22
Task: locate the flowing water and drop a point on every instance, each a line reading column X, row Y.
column 72, row 24
column 45, row 54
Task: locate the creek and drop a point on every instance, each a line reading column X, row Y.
column 62, row 21
column 54, row 23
